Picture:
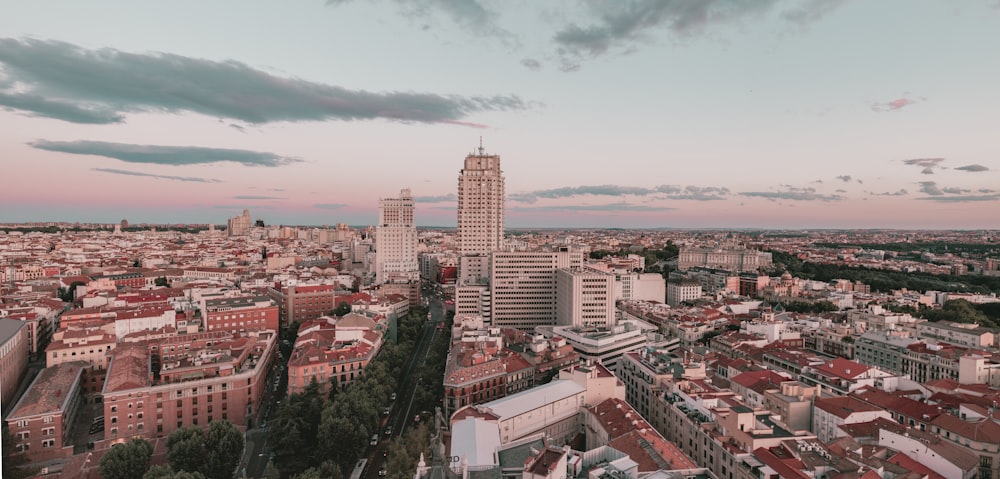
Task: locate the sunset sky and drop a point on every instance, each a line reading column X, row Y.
column 641, row 113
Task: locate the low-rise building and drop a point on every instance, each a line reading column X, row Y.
column 42, row 419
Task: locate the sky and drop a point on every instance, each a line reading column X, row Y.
column 626, row 113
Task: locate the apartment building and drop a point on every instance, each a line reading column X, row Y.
column 969, row 335
column 41, row 420
column 396, row 240
column 301, row 303
column 678, row 292
column 156, row 387
column 333, row 355
column 14, row 350
column 523, row 286
column 241, row 314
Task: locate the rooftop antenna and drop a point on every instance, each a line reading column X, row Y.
column 481, row 152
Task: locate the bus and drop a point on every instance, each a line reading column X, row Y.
column 359, row 469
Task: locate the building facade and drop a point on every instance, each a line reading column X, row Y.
column 584, row 297
column 396, row 239
column 480, row 204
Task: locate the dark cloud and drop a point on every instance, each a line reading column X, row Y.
column 329, row 206
column 100, row 86
column 973, row 168
column 159, row 177
column 962, row 199
column 928, row 164
column 930, row 188
column 986, row 190
column 621, row 25
column 531, row 64
column 256, row 197
column 954, row 190
column 840, row 191
column 793, row 194
column 845, row 178
column 901, row 192
column 435, row 199
column 674, row 192
column 894, row 105
column 164, row 155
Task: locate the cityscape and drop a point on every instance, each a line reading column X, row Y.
column 476, row 240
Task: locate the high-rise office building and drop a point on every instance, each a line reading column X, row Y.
column 523, row 286
column 396, row 240
column 480, row 204
column 240, row 225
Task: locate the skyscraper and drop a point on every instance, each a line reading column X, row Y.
column 480, row 204
column 396, row 240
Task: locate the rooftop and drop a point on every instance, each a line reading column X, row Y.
column 48, row 393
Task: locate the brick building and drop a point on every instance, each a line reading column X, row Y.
column 245, row 313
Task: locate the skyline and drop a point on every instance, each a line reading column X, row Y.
column 818, row 114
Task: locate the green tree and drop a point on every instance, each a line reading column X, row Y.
column 126, row 461
column 223, row 450
column 186, row 449
column 14, row 462
column 161, row 281
column 165, row 472
column 342, row 309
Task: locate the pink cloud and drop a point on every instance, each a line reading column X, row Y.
column 894, row 105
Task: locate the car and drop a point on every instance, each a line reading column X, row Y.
column 374, row 441
column 388, row 430
column 393, row 397
column 416, row 418
column 382, row 472
column 385, row 412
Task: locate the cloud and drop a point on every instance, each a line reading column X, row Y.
column 962, row 199
column 840, row 191
column 930, row 188
column 256, row 197
column 955, row 190
column 901, row 192
column 845, row 178
column 151, row 175
column 470, row 15
column 435, row 199
column 793, row 194
column 928, row 164
column 597, row 208
column 164, row 155
column 894, row 105
column 621, row 25
column 531, row 64
column 674, row 192
column 101, row 86
column 329, row 206
column 986, row 190
column 973, row 168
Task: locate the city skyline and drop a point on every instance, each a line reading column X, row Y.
column 643, row 114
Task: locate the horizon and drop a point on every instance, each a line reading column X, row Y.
column 632, row 115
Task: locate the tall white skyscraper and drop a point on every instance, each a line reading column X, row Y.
column 480, row 204
column 396, row 240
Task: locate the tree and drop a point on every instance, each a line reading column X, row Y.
column 186, row 449
column 342, row 309
column 13, row 460
column 126, row 461
column 165, row 472
column 161, row 281
column 223, row 450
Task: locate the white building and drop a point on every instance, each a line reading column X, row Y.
column 239, row 225
column 523, row 286
column 686, row 290
column 732, row 258
column 480, row 204
column 396, row 239
column 607, row 345
column 584, row 297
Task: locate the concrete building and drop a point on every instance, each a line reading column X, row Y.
column 607, row 345
column 882, row 349
column 13, row 357
column 41, row 420
column 396, row 240
column 970, row 335
column 678, row 292
column 480, row 204
column 584, row 297
column 239, row 225
column 523, row 286
column 301, row 303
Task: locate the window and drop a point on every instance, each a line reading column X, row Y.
column 47, row 419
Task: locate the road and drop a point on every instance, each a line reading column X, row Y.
column 401, row 415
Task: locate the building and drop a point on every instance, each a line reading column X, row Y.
column 607, row 345
column 729, row 258
column 584, row 297
column 480, row 204
column 13, row 357
column 523, row 286
column 301, row 303
column 882, row 349
column 239, row 225
column 396, row 240
column 41, row 420
column 333, row 355
column 962, row 334
column 156, row 387
column 687, row 290
column 832, row 412
column 241, row 314
column 90, row 343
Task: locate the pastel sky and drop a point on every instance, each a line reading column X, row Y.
column 625, row 113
